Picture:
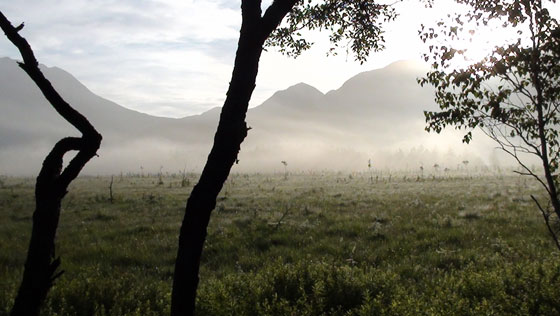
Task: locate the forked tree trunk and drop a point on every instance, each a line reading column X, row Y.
column 52, row 183
column 41, row 264
column 231, row 132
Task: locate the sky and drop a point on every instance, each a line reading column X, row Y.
column 174, row 58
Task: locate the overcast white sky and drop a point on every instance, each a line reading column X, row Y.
column 174, row 57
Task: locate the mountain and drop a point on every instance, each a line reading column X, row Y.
column 373, row 114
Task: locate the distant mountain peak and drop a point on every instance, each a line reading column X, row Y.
column 372, row 112
column 409, row 64
column 302, row 89
column 303, row 86
column 14, row 62
column 403, row 72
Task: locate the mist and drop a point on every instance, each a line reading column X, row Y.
column 375, row 116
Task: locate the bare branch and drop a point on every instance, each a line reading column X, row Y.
column 274, row 15
column 546, row 216
column 31, row 67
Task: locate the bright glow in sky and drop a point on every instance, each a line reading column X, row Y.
column 174, row 58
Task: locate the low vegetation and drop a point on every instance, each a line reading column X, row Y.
column 309, row 244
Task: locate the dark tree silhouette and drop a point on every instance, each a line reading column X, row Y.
column 357, row 21
column 231, row 131
column 41, row 264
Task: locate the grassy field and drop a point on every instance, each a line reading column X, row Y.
column 311, row 244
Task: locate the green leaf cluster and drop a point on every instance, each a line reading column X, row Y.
column 354, row 24
column 513, row 94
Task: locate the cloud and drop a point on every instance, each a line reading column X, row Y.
column 168, row 57
column 165, row 57
column 161, row 57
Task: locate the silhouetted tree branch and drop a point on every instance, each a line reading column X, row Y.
column 41, row 264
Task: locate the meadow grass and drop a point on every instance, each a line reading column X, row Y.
column 309, row 244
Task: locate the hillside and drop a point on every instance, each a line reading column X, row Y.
column 373, row 114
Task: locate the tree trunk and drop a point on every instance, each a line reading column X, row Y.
column 52, row 183
column 230, row 133
column 41, row 263
column 536, row 80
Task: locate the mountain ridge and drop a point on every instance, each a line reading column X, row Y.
column 370, row 113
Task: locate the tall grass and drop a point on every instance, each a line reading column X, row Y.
column 312, row 244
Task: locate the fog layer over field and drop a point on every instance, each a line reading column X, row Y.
column 376, row 115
